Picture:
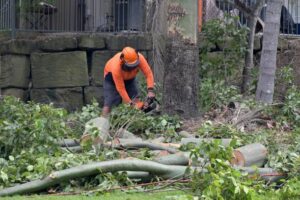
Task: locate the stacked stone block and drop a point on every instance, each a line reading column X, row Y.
column 66, row 70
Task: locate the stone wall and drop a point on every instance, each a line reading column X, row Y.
column 63, row 69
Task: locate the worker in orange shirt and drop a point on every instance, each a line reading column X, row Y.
column 120, row 84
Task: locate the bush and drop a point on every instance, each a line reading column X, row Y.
column 220, row 71
column 29, row 126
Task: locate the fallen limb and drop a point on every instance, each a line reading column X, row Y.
column 163, row 171
column 174, row 159
column 133, row 144
column 198, row 141
column 149, row 145
column 140, row 168
column 268, row 174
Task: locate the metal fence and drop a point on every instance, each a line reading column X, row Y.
column 290, row 14
column 72, row 15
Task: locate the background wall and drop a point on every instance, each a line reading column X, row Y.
column 66, row 70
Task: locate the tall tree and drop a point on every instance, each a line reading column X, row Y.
column 251, row 10
column 265, row 87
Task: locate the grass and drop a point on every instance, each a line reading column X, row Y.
column 107, row 196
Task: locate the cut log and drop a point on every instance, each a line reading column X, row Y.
column 250, row 155
column 100, row 124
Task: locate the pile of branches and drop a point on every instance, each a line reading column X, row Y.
column 170, row 161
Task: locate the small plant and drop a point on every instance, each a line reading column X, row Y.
column 289, row 113
column 215, row 94
column 217, row 179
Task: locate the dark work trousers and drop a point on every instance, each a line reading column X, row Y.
column 112, row 96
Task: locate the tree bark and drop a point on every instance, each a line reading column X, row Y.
column 181, row 78
column 265, row 87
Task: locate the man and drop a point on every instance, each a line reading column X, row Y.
column 119, row 79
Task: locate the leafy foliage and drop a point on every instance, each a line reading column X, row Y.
column 220, row 181
column 143, row 124
column 76, row 121
column 25, row 167
column 289, row 113
column 215, row 94
column 220, row 70
column 29, row 126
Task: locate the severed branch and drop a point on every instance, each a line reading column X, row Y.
column 138, row 166
column 163, row 171
column 149, row 145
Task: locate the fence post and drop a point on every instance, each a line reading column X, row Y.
column 13, row 18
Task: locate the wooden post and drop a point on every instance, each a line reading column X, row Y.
column 200, row 15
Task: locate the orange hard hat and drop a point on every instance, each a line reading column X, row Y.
column 130, row 56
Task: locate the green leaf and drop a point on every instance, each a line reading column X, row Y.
column 3, row 176
column 236, row 190
column 246, row 189
column 30, row 168
column 164, row 122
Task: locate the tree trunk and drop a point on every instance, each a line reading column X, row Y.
column 265, row 87
column 181, row 78
column 249, row 63
column 249, row 56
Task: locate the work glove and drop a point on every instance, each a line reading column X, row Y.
column 150, row 98
column 150, row 94
column 137, row 104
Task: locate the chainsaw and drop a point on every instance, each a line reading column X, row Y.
column 151, row 105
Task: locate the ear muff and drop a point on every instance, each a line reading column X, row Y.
column 122, row 56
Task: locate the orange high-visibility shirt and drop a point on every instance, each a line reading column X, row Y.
column 114, row 66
